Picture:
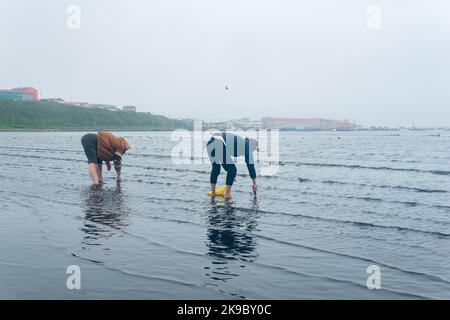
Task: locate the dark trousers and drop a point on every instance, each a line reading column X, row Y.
column 229, row 168
column 89, row 143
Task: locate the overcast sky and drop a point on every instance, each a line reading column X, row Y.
column 284, row 58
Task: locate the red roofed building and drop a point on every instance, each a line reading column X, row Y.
column 29, row 90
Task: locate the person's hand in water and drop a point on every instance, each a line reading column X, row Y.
column 254, row 187
column 118, row 167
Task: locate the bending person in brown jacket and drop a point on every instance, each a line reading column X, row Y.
column 104, row 146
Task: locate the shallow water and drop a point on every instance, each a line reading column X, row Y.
column 339, row 203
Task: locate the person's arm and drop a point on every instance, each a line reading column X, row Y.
column 252, row 173
column 118, row 168
column 117, row 160
column 249, row 160
column 251, row 170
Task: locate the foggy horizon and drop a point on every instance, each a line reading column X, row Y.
column 277, row 58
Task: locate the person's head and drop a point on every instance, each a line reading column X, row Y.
column 126, row 145
column 253, row 143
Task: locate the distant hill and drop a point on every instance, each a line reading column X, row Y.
column 53, row 115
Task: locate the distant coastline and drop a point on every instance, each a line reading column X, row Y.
column 83, row 130
column 397, row 131
column 52, row 116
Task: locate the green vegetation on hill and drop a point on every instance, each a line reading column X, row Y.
column 52, row 115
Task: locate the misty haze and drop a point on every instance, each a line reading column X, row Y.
column 278, row 58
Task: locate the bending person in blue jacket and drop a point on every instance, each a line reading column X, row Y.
column 221, row 147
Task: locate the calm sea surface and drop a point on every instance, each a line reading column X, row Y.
column 339, row 203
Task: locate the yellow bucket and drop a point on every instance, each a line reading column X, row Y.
column 220, row 191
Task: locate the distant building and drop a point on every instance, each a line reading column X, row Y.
column 20, row 94
column 129, row 108
column 15, row 96
column 312, row 124
column 109, row 107
column 62, row 101
column 28, row 90
column 244, row 124
column 217, row 126
column 80, row 104
column 235, row 124
column 291, row 123
column 57, row 100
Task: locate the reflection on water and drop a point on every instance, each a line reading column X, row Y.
column 105, row 212
column 230, row 240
